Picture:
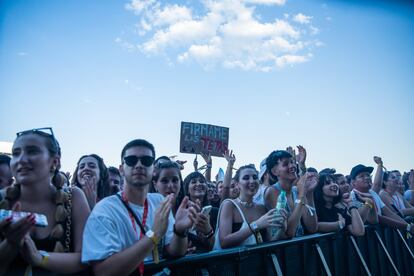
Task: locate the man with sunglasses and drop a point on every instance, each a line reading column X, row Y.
column 124, row 229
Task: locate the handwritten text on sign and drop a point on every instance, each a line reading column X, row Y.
column 203, row 138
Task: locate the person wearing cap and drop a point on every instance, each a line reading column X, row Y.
column 300, row 205
column 266, row 195
column 362, row 182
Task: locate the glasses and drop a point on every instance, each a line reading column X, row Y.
column 132, row 160
column 43, row 131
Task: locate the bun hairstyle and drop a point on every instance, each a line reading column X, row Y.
column 60, row 197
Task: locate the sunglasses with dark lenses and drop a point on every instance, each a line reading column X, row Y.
column 132, row 160
column 43, row 131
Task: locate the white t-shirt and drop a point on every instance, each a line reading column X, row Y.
column 377, row 200
column 109, row 230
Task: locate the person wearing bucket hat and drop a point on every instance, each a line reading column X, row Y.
column 266, row 195
column 300, row 206
column 361, row 181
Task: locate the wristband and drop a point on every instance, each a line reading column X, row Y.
column 368, row 204
column 181, row 235
column 341, row 224
column 209, row 166
column 253, row 227
column 209, row 234
column 408, row 227
column 45, row 258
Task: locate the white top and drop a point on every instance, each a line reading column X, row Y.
column 377, row 200
column 109, row 229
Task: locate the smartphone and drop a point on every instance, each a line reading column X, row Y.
column 40, row 220
column 206, row 210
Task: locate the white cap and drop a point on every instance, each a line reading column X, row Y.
column 262, row 168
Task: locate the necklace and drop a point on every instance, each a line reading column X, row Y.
column 245, row 203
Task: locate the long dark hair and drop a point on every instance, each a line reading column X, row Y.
column 187, row 181
column 103, row 184
column 318, row 193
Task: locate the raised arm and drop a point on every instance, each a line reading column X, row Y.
column 231, row 158
column 376, row 184
column 209, row 165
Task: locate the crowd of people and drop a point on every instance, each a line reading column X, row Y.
column 104, row 220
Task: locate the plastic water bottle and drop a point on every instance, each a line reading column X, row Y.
column 281, row 201
column 281, row 204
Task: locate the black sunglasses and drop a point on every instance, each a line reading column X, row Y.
column 43, row 131
column 132, row 160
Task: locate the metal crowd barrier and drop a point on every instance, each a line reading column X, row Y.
column 381, row 251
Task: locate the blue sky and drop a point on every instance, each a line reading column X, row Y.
column 334, row 76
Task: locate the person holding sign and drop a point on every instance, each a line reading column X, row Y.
column 125, row 229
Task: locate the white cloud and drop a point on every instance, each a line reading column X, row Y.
column 266, row 2
column 302, row 19
column 227, row 33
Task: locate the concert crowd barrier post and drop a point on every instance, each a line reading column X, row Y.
column 381, row 251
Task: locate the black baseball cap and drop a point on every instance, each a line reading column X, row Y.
column 359, row 169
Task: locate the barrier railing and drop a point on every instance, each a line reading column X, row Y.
column 381, row 251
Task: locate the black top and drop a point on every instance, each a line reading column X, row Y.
column 198, row 242
column 331, row 215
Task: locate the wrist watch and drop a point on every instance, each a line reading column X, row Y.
column 151, row 235
column 299, row 201
column 254, row 227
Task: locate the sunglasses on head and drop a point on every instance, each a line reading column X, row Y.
column 132, row 160
column 43, row 131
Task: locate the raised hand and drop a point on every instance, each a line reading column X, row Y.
column 89, row 187
column 301, row 157
column 207, row 158
column 186, row 215
column 346, row 199
column 378, row 160
column 230, row 157
column 311, row 182
column 195, row 163
column 292, row 152
column 161, row 217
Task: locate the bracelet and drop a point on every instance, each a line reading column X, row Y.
column 209, row 234
column 408, row 227
column 209, row 166
column 181, row 235
column 368, row 204
column 45, row 258
column 341, row 224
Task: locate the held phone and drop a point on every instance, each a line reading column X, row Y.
column 40, row 220
column 206, row 210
